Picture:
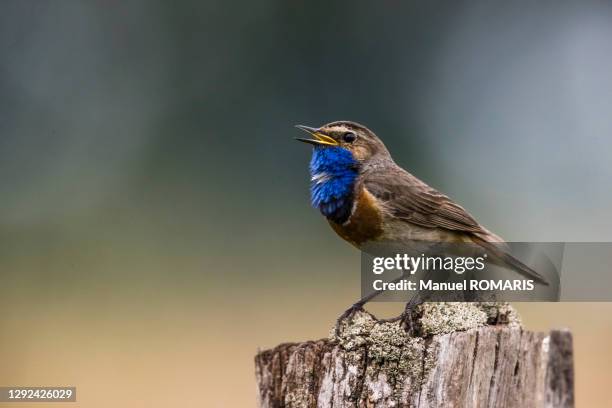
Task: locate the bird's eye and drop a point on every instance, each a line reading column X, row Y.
column 349, row 137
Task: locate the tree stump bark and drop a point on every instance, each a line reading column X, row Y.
column 450, row 363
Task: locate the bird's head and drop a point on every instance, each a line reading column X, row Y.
column 360, row 141
column 340, row 151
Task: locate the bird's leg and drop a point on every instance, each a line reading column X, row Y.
column 358, row 306
column 348, row 313
column 406, row 318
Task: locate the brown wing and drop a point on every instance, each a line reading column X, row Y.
column 409, row 199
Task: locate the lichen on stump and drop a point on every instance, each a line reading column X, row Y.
column 465, row 355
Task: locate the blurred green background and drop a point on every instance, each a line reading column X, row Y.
column 155, row 229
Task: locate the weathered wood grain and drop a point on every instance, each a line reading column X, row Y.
column 489, row 366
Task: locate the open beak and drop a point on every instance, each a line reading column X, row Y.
column 319, row 138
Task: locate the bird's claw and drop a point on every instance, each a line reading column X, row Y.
column 348, row 314
column 406, row 318
column 407, row 321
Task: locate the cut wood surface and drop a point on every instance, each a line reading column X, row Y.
column 376, row 364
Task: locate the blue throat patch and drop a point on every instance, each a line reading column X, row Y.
column 333, row 171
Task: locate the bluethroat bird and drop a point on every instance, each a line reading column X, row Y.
column 366, row 197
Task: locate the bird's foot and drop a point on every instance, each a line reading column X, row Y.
column 407, row 321
column 348, row 314
column 409, row 318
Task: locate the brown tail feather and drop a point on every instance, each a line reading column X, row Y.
column 510, row 261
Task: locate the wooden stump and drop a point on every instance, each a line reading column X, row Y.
column 375, row 364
